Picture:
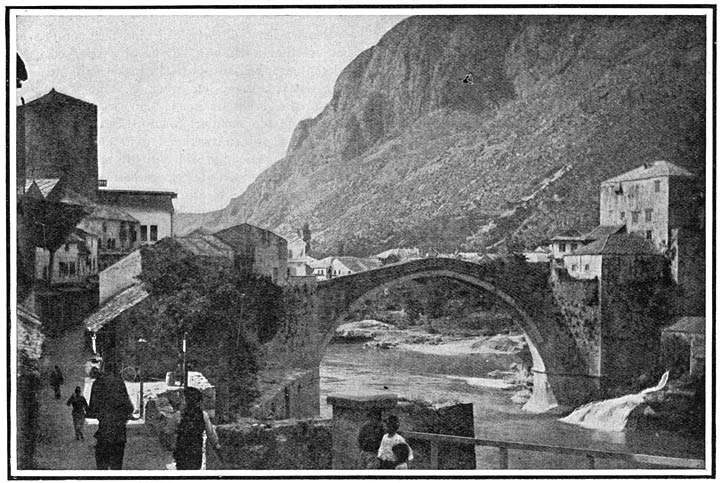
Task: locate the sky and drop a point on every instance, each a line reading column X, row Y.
column 198, row 105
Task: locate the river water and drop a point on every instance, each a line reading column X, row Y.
column 352, row 369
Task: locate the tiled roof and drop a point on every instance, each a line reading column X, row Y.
column 55, row 97
column 655, row 169
column 45, row 185
column 618, row 244
column 399, row 252
column 567, row 235
column 603, row 231
column 115, row 306
column 206, row 245
column 324, row 263
column 158, row 200
column 359, row 264
column 692, row 325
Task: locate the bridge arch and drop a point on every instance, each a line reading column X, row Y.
column 533, row 335
column 559, row 369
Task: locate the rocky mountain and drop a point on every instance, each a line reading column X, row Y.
column 460, row 132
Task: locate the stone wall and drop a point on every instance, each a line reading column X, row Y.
column 350, row 413
column 635, row 303
column 288, row 394
column 284, row 445
column 578, row 301
column 116, row 278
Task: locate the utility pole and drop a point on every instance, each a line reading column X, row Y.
column 184, row 363
column 141, row 343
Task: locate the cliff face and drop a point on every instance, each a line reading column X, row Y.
column 407, row 153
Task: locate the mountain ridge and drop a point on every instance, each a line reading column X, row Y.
column 407, row 154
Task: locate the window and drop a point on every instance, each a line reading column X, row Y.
column 587, row 267
column 153, row 232
column 45, row 272
column 275, row 274
column 573, row 267
column 622, row 215
column 635, row 216
column 648, row 234
column 63, row 269
column 133, row 234
column 648, row 214
column 657, row 186
column 143, row 232
column 67, row 247
column 562, row 247
column 573, row 246
column 71, row 269
column 104, row 227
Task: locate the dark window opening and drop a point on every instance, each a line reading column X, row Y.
column 635, row 216
column 648, row 234
column 143, row 232
column 153, row 232
column 648, row 214
column 657, row 186
column 622, row 215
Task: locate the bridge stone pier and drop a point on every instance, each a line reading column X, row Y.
column 560, row 365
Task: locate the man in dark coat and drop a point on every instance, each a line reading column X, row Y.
column 111, row 405
column 56, row 380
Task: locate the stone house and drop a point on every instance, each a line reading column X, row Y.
column 587, row 261
column 257, row 250
column 73, row 262
column 298, row 258
column 650, row 200
column 348, row 265
column 322, row 269
column 153, row 210
column 663, row 203
column 683, row 345
column 564, row 243
column 539, row 255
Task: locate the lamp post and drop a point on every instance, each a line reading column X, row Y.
column 184, row 363
column 141, row 343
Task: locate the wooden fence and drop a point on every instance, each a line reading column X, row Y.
column 590, row 454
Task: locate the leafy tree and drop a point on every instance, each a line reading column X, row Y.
column 227, row 314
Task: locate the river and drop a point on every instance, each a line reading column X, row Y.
column 352, row 369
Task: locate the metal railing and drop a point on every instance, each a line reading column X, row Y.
column 590, row 454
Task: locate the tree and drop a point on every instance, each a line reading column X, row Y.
column 227, row 315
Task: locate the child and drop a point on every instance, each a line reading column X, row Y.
column 194, row 421
column 79, row 410
column 401, row 452
column 391, row 438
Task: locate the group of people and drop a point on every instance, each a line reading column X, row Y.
column 110, row 404
column 381, row 447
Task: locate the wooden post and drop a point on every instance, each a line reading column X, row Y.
column 434, row 455
column 503, row 458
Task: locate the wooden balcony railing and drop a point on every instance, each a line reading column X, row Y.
column 590, row 455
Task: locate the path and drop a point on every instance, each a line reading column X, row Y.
column 57, row 448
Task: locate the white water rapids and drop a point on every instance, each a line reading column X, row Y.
column 611, row 414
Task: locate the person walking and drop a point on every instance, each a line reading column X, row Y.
column 391, row 438
column 79, row 409
column 56, row 380
column 193, row 423
column 111, row 405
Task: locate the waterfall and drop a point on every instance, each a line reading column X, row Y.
column 611, row 414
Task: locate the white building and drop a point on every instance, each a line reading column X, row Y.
column 153, row 209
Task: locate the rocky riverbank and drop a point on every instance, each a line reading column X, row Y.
column 381, row 336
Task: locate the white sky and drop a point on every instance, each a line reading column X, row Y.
column 199, row 105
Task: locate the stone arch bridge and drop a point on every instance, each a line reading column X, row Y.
column 561, row 374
